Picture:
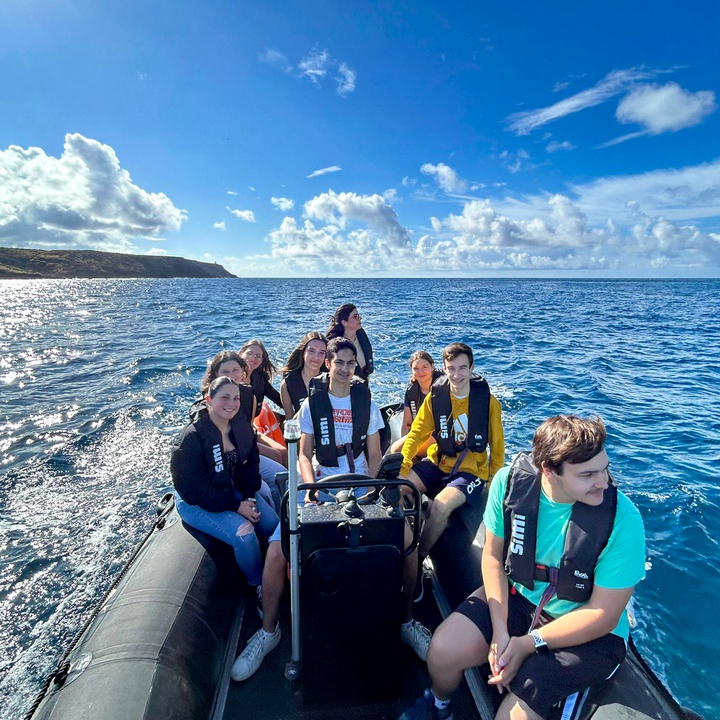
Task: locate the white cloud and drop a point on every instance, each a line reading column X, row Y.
column 344, row 233
column 83, row 199
column 665, row 108
column 602, row 228
column 340, row 208
column 231, row 192
column 390, row 196
column 157, row 251
column 516, row 162
column 553, row 146
column 408, row 181
column 682, row 195
column 562, row 238
column 615, row 83
column 219, row 225
column 345, row 80
column 560, row 86
column 445, row 176
column 324, row 171
column 244, row 215
column 315, row 65
column 282, row 203
column 274, row 58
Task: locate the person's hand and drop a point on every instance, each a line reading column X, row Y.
column 517, row 651
column 248, row 510
column 498, row 644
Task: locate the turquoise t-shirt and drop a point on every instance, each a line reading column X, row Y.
column 620, row 565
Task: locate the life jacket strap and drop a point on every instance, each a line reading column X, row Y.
column 542, row 573
column 347, row 449
column 350, row 456
column 546, row 596
column 458, row 462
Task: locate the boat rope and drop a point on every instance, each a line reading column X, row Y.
column 61, row 671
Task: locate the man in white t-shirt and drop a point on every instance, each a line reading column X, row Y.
column 340, row 433
column 330, row 444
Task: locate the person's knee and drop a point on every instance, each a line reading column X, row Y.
column 453, row 642
column 414, row 478
column 275, row 562
column 513, row 708
column 244, row 529
column 442, row 653
column 441, row 510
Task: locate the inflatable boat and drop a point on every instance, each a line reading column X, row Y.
column 163, row 640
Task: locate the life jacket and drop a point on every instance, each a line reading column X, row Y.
column 588, row 532
column 414, row 395
column 268, row 424
column 366, row 347
column 478, row 417
column 327, row 451
column 295, row 386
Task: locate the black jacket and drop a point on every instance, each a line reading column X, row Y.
column 263, row 389
column 199, row 467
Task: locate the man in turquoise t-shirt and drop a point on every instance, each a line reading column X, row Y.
column 547, row 633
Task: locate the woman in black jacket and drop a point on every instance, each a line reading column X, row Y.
column 262, row 372
column 347, row 323
column 304, row 363
column 215, row 470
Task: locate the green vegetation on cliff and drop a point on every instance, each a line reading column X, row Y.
column 17, row 263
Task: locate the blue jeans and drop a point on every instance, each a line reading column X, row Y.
column 268, row 468
column 232, row 528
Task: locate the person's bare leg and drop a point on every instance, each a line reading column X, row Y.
column 273, row 585
column 444, row 504
column 457, row 645
column 410, row 573
column 513, row 708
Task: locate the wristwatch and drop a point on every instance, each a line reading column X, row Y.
column 540, row 645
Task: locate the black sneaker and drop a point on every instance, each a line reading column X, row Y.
column 424, row 709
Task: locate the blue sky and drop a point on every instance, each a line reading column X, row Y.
column 332, row 138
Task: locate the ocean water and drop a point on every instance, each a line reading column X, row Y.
column 97, row 377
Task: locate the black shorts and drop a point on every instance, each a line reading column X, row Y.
column 549, row 678
column 435, row 480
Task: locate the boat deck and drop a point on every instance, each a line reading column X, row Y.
column 267, row 695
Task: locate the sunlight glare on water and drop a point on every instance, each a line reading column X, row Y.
column 98, row 376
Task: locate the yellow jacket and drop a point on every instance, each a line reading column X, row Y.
column 473, row 462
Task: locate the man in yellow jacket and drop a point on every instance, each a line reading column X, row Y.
column 465, row 421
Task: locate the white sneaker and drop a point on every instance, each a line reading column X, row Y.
column 417, row 636
column 250, row 659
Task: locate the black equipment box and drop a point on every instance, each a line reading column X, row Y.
column 351, row 601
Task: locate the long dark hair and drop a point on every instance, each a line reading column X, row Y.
column 420, row 355
column 296, row 361
column 213, row 367
column 336, row 328
column 266, row 366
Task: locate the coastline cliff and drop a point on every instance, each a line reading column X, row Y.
column 16, row 263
